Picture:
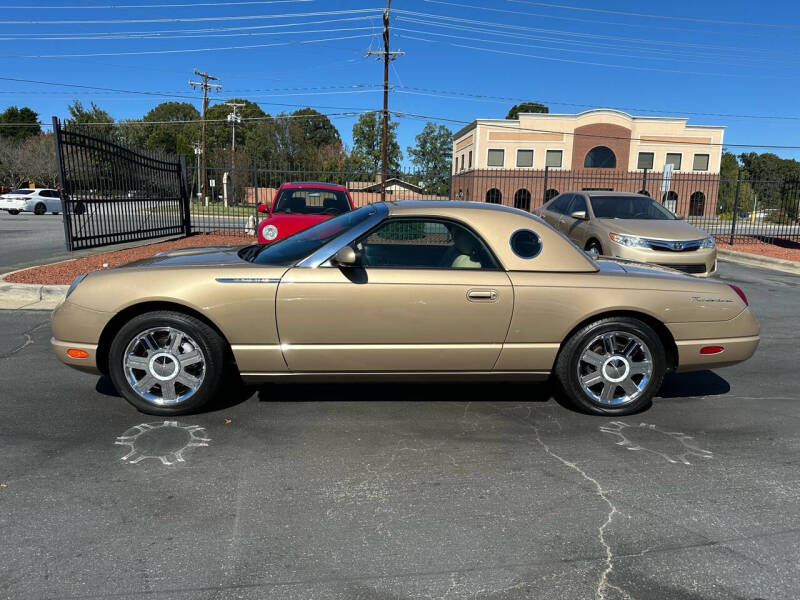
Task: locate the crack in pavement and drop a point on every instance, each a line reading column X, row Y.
column 28, row 341
column 603, row 584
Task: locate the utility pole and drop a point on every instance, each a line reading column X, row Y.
column 388, row 56
column 233, row 119
column 206, row 86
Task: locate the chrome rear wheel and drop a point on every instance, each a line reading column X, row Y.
column 615, row 368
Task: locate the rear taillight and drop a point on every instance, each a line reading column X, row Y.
column 740, row 293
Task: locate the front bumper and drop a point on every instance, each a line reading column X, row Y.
column 701, row 262
column 87, row 365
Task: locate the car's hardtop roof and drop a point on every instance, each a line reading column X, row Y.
column 396, row 206
column 594, row 193
column 302, row 184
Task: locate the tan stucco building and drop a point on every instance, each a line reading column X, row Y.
column 521, row 162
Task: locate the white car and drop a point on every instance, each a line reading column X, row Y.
column 35, row 200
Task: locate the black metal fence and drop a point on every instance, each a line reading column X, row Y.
column 112, row 194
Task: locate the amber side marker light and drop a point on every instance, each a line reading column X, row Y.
column 75, row 353
column 711, row 349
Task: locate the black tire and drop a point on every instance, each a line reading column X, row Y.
column 208, row 342
column 594, row 248
column 39, row 209
column 569, row 363
column 13, row 212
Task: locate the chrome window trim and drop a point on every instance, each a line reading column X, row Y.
column 248, row 279
column 538, row 237
column 346, row 237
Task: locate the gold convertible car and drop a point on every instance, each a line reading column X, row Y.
column 400, row 290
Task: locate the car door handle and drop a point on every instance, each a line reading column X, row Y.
column 482, row 295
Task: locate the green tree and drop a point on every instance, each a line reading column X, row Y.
column 431, row 156
column 94, row 119
column 366, row 154
column 15, row 114
column 526, row 107
column 164, row 129
column 219, row 130
column 773, row 180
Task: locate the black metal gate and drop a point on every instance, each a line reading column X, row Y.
column 112, row 194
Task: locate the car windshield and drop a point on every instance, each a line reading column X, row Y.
column 311, row 201
column 22, row 191
column 629, row 207
column 303, row 244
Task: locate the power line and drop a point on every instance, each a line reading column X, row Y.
column 195, row 19
column 577, row 19
column 655, row 16
column 184, row 5
column 193, row 50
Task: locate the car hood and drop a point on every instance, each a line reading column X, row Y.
column 677, row 230
column 191, row 257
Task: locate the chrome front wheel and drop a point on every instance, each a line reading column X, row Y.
column 164, row 365
column 167, row 363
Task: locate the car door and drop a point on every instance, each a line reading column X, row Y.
column 52, row 200
column 555, row 209
column 570, row 226
column 415, row 303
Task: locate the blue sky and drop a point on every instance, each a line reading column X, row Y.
column 734, row 63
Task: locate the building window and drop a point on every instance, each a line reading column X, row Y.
column 462, row 162
column 553, row 158
column 700, row 162
column 600, row 157
column 674, row 159
column 494, row 196
column 524, row 158
column 646, row 160
column 470, row 160
column 522, row 199
column 496, row 158
column 697, row 204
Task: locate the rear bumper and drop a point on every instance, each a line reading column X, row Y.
column 735, row 350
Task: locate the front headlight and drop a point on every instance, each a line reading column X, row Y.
column 631, row 241
column 708, row 243
column 270, row 232
column 75, row 283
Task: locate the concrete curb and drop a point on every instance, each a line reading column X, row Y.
column 756, row 260
column 31, row 296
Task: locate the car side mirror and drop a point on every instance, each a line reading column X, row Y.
column 579, row 214
column 263, row 208
column 345, row 257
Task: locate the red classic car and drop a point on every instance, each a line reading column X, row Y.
column 300, row 205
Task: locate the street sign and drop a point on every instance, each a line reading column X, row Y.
column 666, row 178
column 212, row 183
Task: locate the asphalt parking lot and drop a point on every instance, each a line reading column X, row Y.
column 380, row 492
column 28, row 239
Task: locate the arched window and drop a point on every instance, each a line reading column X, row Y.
column 697, row 204
column 670, row 200
column 600, row 157
column 550, row 194
column 522, row 199
column 494, row 196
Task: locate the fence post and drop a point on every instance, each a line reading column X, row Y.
column 65, row 208
column 544, row 191
column 735, row 205
column 644, row 180
column 186, row 215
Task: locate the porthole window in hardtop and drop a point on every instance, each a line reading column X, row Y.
column 525, row 243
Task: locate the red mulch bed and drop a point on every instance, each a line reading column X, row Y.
column 63, row 273
column 784, row 250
